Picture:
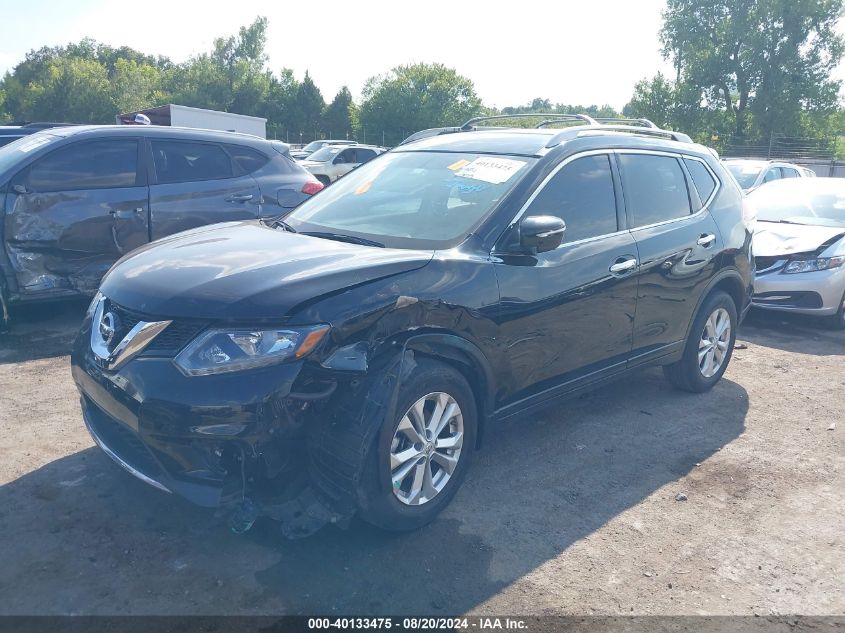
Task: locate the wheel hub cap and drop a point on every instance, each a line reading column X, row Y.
column 714, row 343
column 426, row 447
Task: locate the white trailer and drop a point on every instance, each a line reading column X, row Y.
column 184, row 116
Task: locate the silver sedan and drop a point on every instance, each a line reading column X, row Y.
column 799, row 247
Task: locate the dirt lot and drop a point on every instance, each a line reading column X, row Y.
column 570, row 512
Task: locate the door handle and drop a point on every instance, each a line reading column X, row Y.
column 125, row 214
column 623, row 265
column 706, row 240
column 239, row 197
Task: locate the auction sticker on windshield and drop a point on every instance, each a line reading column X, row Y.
column 33, row 143
column 491, row 169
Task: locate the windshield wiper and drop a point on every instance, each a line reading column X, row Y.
column 275, row 223
column 340, row 237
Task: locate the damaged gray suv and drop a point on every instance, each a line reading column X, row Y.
column 76, row 199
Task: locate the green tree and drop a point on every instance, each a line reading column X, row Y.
column 73, row 89
column 308, row 108
column 415, row 97
column 135, row 86
column 337, row 119
column 772, row 58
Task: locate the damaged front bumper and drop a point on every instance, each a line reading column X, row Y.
column 218, row 441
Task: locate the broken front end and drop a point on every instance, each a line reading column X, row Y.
column 247, row 443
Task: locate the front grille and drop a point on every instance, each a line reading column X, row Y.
column 174, row 337
column 123, row 442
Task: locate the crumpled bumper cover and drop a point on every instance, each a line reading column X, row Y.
column 170, row 430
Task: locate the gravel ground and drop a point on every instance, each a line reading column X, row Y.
column 579, row 510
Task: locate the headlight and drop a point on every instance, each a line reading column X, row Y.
column 92, row 307
column 812, row 265
column 220, row 351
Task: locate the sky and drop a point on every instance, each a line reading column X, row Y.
column 564, row 51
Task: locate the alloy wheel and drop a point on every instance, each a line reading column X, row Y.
column 426, row 448
column 713, row 346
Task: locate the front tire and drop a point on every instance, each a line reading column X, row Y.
column 837, row 321
column 709, row 348
column 421, row 457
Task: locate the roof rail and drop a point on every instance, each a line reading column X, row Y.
column 625, row 129
column 643, row 127
column 551, row 117
column 638, row 122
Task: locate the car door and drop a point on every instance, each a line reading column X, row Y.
column 567, row 315
column 345, row 162
column 75, row 211
column 677, row 240
column 197, row 183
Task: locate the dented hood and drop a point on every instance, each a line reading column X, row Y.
column 774, row 238
column 246, row 270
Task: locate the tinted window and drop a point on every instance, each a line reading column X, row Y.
column 788, row 172
column 582, row 195
column 248, row 159
column 772, row 174
column 96, row 165
column 347, row 156
column 364, row 155
column 655, row 188
column 701, row 178
column 181, row 161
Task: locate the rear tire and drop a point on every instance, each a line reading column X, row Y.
column 709, row 348
column 417, row 465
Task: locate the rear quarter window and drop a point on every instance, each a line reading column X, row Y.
column 247, row 158
column 704, row 182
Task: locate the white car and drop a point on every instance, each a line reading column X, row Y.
column 799, row 247
column 332, row 162
column 750, row 174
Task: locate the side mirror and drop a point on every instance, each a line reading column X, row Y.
column 20, row 189
column 541, row 233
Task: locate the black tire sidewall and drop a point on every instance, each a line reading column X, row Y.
column 381, row 507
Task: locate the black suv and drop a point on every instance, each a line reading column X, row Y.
column 349, row 358
column 76, row 199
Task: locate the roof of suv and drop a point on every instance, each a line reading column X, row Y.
column 537, row 141
column 163, row 131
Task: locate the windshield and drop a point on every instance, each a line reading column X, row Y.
column 313, row 146
column 412, row 199
column 13, row 152
column 745, row 173
column 325, row 154
column 817, row 201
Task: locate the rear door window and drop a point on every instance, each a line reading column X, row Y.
column 102, row 164
column 185, row 161
column 655, row 188
column 788, row 172
column 582, row 195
